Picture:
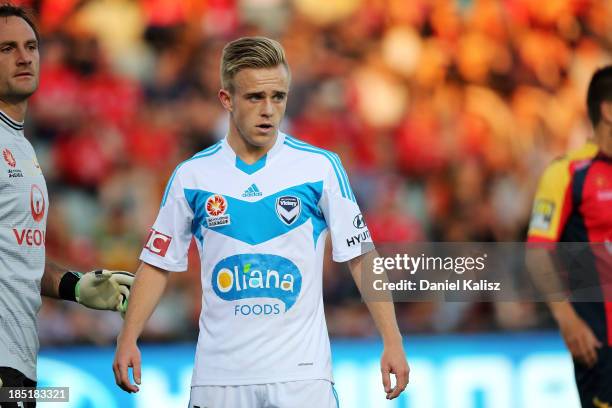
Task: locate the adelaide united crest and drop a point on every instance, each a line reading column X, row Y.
column 9, row 158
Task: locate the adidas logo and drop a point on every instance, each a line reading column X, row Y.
column 252, row 191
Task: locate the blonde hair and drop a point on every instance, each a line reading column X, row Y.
column 250, row 52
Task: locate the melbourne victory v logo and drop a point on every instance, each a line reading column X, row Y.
column 288, row 209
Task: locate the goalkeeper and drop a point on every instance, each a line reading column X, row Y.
column 24, row 273
column 20, row 301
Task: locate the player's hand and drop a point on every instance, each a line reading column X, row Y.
column 580, row 339
column 105, row 290
column 393, row 361
column 127, row 355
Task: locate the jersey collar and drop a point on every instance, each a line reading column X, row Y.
column 259, row 164
column 12, row 124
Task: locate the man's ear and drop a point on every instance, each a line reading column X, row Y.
column 606, row 111
column 226, row 99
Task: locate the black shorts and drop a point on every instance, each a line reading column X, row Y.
column 595, row 384
column 13, row 378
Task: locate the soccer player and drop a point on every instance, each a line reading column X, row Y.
column 24, row 204
column 259, row 204
column 574, row 204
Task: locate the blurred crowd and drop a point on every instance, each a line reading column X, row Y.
column 444, row 113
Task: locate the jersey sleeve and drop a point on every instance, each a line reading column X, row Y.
column 349, row 234
column 552, row 204
column 169, row 238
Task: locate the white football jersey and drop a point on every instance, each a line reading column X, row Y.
column 24, row 205
column 260, row 230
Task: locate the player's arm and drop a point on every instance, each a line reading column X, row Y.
column 101, row 289
column 578, row 336
column 52, row 276
column 393, row 360
column 147, row 290
column 351, row 243
column 552, row 205
column 165, row 251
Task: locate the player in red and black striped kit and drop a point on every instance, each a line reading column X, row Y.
column 574, row 204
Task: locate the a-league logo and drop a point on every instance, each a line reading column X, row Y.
column 216, row 207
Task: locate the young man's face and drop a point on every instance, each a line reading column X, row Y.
column 19, row 60
column 258, row 102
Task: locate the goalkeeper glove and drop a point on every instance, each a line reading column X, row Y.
column 101, row 289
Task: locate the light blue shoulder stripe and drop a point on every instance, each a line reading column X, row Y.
column 348, row 184
column 345, row 186
column 336, row 159
column 208, row 151
column 204, row 153
column 307, row 149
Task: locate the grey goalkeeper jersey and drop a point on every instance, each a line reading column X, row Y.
column 24, row 205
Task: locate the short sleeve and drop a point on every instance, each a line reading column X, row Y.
column 552, row 204
column 349, row 234
column 169, row 238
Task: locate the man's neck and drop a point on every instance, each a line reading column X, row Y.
column 15, row 111
column 605, row 145
column 603, row 137
column 248, row 153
